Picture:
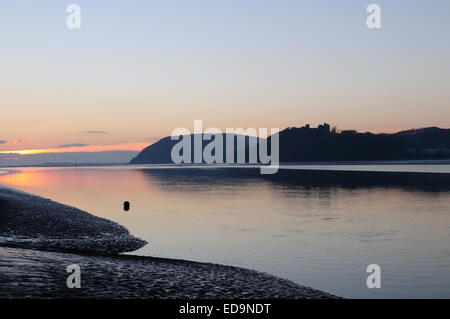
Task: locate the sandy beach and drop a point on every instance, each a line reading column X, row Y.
column 39, row 238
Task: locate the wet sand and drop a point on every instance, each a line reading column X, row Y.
column 39, row 238
column 29, row 221
column 36, row 274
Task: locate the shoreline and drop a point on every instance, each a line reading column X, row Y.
column 39, row 238
column 34, row 222
column 282, row 165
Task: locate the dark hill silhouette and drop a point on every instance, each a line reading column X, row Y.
column 321, row 144
column 324, row 144
column 157, row 153
column 160, row 152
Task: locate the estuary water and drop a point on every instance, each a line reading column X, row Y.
column 317, row 226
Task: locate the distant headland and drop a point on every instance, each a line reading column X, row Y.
column 326, row 143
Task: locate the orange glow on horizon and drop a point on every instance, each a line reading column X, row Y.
column 138, row 146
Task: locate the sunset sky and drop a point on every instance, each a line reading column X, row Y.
column 136, row 70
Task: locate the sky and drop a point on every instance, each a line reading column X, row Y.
column 136, row 70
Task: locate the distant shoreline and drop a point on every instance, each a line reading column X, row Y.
column 286, row 164
column 429, row 166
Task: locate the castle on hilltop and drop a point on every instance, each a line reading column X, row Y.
column 322, row 128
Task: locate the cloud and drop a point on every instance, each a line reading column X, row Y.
column 19, row 141
column 94, row 132
column 74, row 148
column 73, row 145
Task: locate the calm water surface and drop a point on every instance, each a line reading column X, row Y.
column 320, row 229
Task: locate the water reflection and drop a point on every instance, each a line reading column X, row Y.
column 304, row 179
column 317, row 228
